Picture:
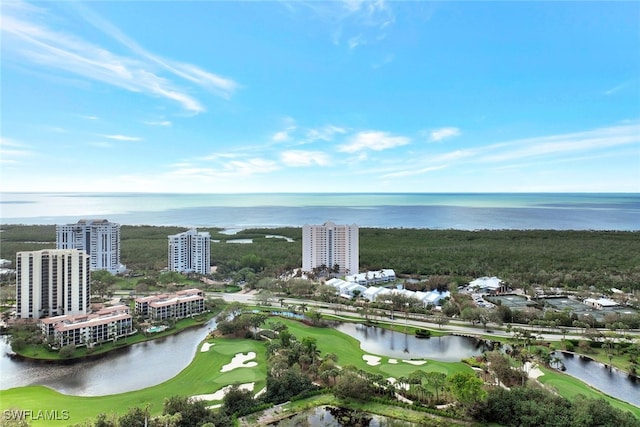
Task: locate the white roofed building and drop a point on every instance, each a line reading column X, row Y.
column 600, row 303
column 490, row 285
column 373, row 277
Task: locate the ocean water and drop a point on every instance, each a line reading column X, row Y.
column 464, row 211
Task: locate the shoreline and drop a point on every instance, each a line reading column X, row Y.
column 99, row 355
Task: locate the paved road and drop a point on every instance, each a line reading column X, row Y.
column 454, row 326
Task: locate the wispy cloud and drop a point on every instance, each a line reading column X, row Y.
column 89, row 117
column 219, row 156
column 122, row 137
column 225, row 170
column 12, row 151
column 140, row 72
column 412, row 172
column 617, row 88
column 563, row 144
column 324, row 133
column 528, row 152
column 281, row 136
column 387, row 59
column 298, row 158
column 356, row 41
column 443, row 133
column 285, row 134
column 250, row 167
column 373, row 140
column 352, row 23
column 165, row 123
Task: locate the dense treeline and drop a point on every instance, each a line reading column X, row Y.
column 523, row 257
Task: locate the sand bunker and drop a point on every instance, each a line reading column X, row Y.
column 393, row 361
column 219, row 395
column 371, row 360
column 534, row 371
column 394, row 381
column 206, row 346
column 240, row 360
column 415, row 362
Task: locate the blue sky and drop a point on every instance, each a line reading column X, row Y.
column 344, row 96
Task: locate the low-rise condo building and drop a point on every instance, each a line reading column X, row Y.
column 179, row 305
column 108, row 324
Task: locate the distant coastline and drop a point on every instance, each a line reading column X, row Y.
column 464, row 211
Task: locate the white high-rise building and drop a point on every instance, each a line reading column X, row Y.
column 190, row 252
column 99, row 238
column 332, row 246
column 52, row 282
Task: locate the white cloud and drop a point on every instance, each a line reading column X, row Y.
column 373, row 140
column 281, row 136
column 616, row 89
column 285, row 134
column 387, row 59
column 410, row 172
column 250, row 167
column 354, row 22
column 11, row 151
column 442, row 133
column 545, row 150
column 165, row 123
column 139, row 72
column 325, row 133
column 304, row 158
column 122, row 137
column 564, row 144
column 356, row 41
column 219, row 156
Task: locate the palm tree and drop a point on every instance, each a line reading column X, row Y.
column 257, row 320
column 437, row 381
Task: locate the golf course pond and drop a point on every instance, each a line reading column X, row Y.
column 375, row 340
column 153, row 362
column 130, row 368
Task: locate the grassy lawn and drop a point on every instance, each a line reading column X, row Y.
column 568, row 387
column 201, row 376
column 349, row 353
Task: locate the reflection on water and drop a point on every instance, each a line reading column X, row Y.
column 131, row 368
column 403, row 346
column 610, row 381
column 340, row 417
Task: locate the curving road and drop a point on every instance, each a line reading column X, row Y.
column 416, row 320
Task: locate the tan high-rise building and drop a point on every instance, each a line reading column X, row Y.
column 52, row 282
column 335, row 247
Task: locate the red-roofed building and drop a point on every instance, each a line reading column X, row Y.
column 179, row 305
column 110, row 323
